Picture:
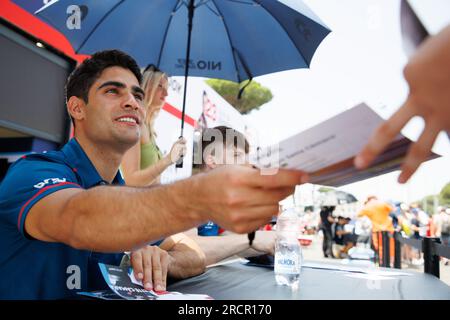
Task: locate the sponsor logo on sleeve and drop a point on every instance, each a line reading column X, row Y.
column 49, row 181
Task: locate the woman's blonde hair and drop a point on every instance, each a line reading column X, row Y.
column 150, row 80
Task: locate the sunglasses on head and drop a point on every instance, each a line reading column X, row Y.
column 152, row 67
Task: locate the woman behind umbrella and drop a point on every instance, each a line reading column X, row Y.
column 143, row 164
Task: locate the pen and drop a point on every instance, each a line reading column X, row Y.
column 251, row 236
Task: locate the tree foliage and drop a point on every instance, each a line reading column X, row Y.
column 253, row 97
column 325, row 189
column 444, row 195
column 442, row 199
column 428, row 204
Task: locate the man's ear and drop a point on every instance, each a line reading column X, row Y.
column 76, row 108
column 210, row 161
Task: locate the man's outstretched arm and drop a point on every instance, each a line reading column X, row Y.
column 114, row 219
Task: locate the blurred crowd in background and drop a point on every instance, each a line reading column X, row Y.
column 352, row 227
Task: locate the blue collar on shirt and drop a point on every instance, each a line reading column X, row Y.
column 83, row 167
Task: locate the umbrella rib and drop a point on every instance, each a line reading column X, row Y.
column 165, row 35
column 244, row 64
column 179, row 4
column 289, row 36
column 210, row 9
column 202, row 2
column 231, row 42
column 98, row 24
column 243, row 2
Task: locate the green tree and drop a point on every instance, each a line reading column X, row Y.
column 428, row 204
column 325, row 189
column 444, row 195
column 443, row 199
column 253, row 97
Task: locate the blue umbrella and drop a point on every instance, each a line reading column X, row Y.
column 228, row 39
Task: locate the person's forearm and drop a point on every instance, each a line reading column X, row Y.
column 186, row 258
column 114, row 219
column 217, row 248
column 186, row 263
column 149, row 175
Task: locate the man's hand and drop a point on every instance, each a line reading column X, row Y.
column 240, row 198
column 428, row 77
column 150, row 265
column 265, row 241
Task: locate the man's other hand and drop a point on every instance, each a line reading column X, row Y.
column 150, row 265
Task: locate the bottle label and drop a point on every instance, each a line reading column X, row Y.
column 286, row 263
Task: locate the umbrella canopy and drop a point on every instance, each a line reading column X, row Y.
column 227, row 39
column 335, row 197
column 231, row 39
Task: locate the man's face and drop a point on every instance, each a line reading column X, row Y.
column 115, row 108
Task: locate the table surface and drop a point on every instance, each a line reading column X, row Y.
column 235, row 281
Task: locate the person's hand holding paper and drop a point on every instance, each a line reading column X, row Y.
column 428, row 77
column 326, row 151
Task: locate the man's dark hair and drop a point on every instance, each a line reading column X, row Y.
column 84, row 76
column 208, row 137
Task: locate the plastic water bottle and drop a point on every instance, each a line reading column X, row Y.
column 288, row 253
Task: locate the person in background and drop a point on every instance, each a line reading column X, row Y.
column 395, row 213
column 444, row 230
column 424, row 219
column 406, row 229
column 442, row 224
column 428, row 77
column 343, row 237
column 379, row 214
column 417, row 233
column 363, row 230
column 143, row 164
column 326, row 223
column 223, row 146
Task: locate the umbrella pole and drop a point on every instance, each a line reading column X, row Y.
column 186, row 70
